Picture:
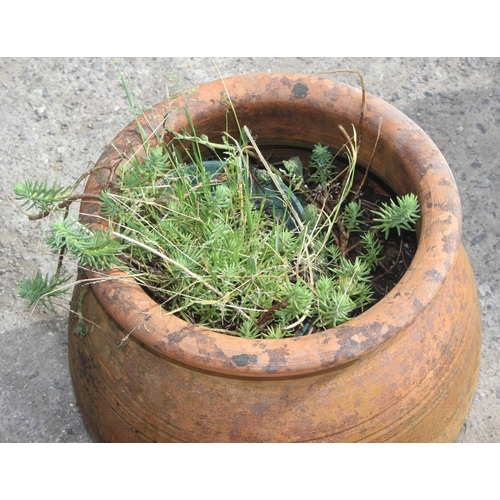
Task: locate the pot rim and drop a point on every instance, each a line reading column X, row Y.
column 439, row 235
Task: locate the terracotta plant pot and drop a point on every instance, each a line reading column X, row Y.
column 405, row 370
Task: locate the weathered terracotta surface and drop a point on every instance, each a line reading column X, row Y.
column 405, row 370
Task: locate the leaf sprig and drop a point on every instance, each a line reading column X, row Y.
column 96, row 249
column 42, row 289
column 40, row 195
column 400, row 214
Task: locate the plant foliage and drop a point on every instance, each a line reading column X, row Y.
column 231, row 243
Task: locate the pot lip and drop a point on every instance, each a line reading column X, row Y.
column 169, row 336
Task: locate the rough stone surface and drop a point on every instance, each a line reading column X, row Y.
column 57, row 116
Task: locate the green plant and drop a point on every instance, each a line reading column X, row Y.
column 229, row 242
column 399, row 214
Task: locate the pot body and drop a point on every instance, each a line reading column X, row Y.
column 404, row 371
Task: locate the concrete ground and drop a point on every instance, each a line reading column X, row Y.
column 58, row 114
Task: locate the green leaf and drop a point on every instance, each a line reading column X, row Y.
column 40, row 196
column 95, row 249
column 42, row 289
column 400, row 214
column 353, row 214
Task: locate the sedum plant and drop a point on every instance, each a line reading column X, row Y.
column 231, row 243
